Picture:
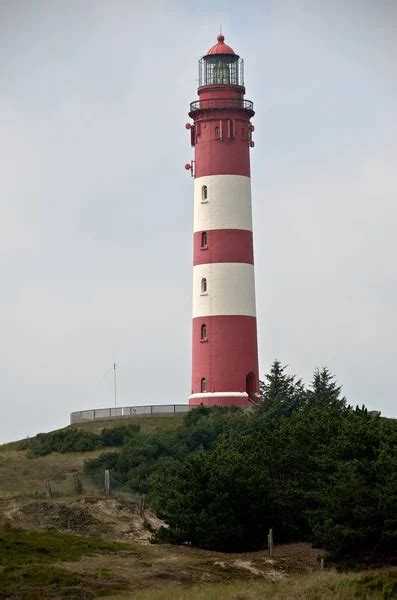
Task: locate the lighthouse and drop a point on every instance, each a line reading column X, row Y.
column 224, row 341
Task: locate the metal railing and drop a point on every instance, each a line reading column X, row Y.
column 222, row 103
column 154, row 410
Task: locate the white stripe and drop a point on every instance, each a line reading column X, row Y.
column 219, row 394
column 228, row 204
column 230, row 290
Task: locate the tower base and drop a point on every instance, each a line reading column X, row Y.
column 221, row 399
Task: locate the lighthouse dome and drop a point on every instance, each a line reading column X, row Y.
column 220, row 47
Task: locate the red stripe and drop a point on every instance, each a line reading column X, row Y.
column 222, row 145
column 222, row 158
column 228, row 355
column 223, row 246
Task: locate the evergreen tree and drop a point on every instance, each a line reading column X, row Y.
column 281, row 393
column 324, row 390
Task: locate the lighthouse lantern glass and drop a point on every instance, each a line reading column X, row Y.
column 221, row 69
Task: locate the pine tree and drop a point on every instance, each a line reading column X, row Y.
column 281, row 392
column 324, row 390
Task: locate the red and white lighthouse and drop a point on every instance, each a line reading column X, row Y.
column 225, row 354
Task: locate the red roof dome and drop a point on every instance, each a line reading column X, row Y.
column 220, row 47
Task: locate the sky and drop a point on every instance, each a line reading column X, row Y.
column 96, row 207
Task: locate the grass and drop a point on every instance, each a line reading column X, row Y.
column 27, row 568
column 21, row 476
column 48, row 564
column 327, row 585
column 146, row 424
column 20, row 547
column 35, row 583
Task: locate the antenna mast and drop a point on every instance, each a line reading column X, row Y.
column 115, row 385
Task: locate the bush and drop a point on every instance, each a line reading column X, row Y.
column 117, row 436
column 77, row 440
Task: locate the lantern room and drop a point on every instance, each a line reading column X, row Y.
column 221, row 66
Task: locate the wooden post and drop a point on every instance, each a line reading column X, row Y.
column 322, row 564
column 48, row 490
column 270, row 542
column 78, row 488
column 142, row 505
column 107, row 482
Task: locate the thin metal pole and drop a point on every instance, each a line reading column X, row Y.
column 115, row 385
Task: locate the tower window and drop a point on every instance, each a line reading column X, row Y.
column 204, row 286
column 217, row 133
column 203, row 332
column 204, row 194
column 204, row 240
column 203, row 385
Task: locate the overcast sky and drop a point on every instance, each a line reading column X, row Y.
column 96, row 207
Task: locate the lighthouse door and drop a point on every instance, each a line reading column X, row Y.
column 250, row 383
column 250, row 388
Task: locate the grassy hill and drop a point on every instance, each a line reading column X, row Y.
column 20, row 475
column 89, row 545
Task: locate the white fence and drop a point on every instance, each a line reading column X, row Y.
column 154, row 410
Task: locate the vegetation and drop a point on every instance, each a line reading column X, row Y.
column 304, row 463
column 77, row 440
column 47, row 565
column 18, row 546
column 326, row 585
column 25, row 565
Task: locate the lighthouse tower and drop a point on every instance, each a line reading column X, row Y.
column 225, row 354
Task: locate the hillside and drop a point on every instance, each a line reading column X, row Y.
column 112, row 556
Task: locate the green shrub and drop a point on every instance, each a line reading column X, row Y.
column 117, row 436
column 77, row 440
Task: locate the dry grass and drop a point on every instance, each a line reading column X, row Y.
column 327, row 585
column 169, row 569
column 20, row 475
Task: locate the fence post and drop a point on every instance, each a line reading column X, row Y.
column 151, row 411
column 78, row 487
column 48, row 490
column 107, row 482
column 270, row 542
column 142, row 505
column 322, row 564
